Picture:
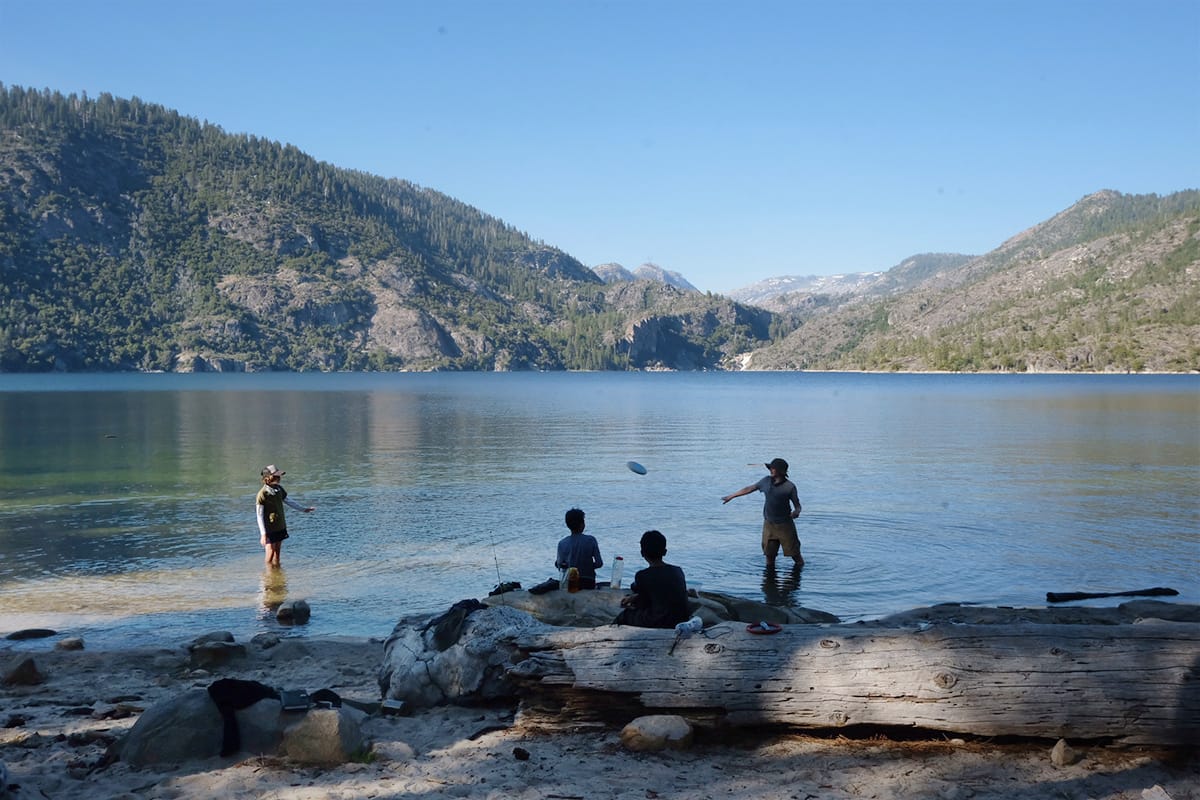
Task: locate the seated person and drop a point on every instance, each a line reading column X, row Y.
column 659, row 598
column 579, row 550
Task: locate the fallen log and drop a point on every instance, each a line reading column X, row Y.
column 1127, row 684
column 1067, row 597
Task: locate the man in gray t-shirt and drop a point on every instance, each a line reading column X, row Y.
column 781, row 506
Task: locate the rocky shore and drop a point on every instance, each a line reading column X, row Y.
column 68, row 710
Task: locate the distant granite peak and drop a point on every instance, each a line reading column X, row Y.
column 851, row 283
column 615, row 273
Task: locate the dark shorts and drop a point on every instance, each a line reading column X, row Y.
column 275, row 537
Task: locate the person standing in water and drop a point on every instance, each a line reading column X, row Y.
column 272, row 527
column 781, row 506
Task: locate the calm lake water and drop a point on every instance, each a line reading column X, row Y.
column 127, row 501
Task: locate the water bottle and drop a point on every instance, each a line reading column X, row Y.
column 572, row 580
column 618, row 568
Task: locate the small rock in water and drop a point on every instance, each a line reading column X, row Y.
column 70, row 643
column 293, row 612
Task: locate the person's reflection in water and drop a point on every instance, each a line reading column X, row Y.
column 274, row 589
column 780, row 587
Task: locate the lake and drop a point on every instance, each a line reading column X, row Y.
column 127, row 501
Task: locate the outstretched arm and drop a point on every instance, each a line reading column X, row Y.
column 751, row 488
column 293, row 504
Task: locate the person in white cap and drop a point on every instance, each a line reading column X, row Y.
column 781, row 506
column 272, row 527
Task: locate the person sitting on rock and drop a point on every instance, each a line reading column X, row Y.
column 579, row 550
column 659, row 598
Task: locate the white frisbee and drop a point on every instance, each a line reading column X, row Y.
column 635, row 467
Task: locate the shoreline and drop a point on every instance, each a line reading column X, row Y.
column 57, row 732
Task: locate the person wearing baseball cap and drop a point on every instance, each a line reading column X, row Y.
column 269, row 503
column 781, row 506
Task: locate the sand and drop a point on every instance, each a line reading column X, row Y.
column 57, row 732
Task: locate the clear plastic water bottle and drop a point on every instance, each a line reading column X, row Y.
column 618, row 568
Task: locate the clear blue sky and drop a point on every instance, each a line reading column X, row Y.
column 728, row 141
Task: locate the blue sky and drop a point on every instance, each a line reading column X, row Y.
column 728, row 141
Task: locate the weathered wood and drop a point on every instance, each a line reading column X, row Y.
column 1067, row 597
column 1133, row 684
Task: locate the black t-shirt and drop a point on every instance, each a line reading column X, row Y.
column 662, row 599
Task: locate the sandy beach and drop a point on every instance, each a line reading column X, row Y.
column 56, row 734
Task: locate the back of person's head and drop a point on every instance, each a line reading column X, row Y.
column 574, row 519
column 654, row 545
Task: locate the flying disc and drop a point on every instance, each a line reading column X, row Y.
column 635, row 467
column 763, row 628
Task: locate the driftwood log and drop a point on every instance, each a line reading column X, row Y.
column 1117, row 683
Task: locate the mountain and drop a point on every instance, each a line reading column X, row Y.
column 792, row 293
column 133, row 238
column 1110, row 284
column 761, row 293
column 653, row 272
column 615, row 273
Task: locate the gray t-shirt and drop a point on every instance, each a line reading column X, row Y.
column 776, row 496
column 581, row 551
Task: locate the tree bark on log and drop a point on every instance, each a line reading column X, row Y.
column 1128, row 684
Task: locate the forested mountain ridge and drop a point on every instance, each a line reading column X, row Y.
column 1110, row 284
column 133, row 238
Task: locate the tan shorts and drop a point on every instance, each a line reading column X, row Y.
column 777, row 534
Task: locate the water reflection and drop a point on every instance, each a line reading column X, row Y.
column 781, row 586
column 273, row 590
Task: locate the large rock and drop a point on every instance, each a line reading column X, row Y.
column 325, row 736
column 175, row 730
column 416, row 670
column 190, row 727
column 583, row 609
column 591, row 609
